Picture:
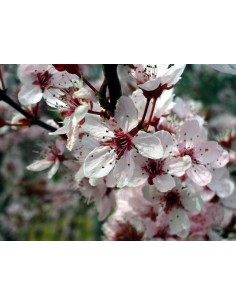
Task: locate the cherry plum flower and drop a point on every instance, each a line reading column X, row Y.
column 175, row 204
column 76, row 104
column 160, row 172
column 191, row 141
column 156, row 78
column 53, row 156
column 42, row 81
column 116, row 144
column 162, row 107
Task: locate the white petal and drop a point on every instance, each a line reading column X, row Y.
column 172, row 76
column 191, row 200
column 189, row 134
column 148, row 145
column 179, row 222
column 126, row 114
column 166, row 142
column 95, row 127
column 123, row 170
column 30, row 95
column 99, row 162
column 54, row 169
column 80, row 112
column 222, row 160
column 199, row 174
column 164, row 183
column 151, row 85
column 177, row 166
column 39, row 165
column 208, row 152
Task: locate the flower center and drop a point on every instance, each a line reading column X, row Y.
column 126, row 232
column 122, row 142
column 171, row 200
column 43, row 80
column 153, row 168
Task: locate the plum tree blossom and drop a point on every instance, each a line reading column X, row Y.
column 191, row 141
column 117, row 143
column 41, row 81
column 53, row 155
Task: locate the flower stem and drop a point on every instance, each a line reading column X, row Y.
column 140, row 125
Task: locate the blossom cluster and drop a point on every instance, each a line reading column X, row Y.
column 153, row 160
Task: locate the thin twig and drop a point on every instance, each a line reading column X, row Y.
column 33, row 120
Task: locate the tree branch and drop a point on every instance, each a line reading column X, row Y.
column 113, row 83
column 33, row 120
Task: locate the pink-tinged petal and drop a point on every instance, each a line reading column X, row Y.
column 123, row 170
column 39, row 165
column 95, row 127
column 110, row 180
column 126, row 114
column 199, row 174
column 104, row 207
column 206, row 194
column 99, row 162
column 179, row 222
column 30, row 95
column 164, row 183
column 177, row 166
column 189, row 134
column 54, row 169
column 166, row 142
column 208, row 152
column 60, row 144
column 222, row 160
column 148, row 145
column 151, row 85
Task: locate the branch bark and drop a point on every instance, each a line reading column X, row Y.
column 113, row 83
column 33, row 120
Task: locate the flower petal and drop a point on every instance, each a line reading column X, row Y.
column 166, row 142
column 95, row 127
column 39, row 165
column 30, row 95
column 54, row 169
column 148, row 145
column 164, row 183
column 199, row 174
column 179, row 222
column 123, row 170
column 208, row 152
column 126, row 114
column 99, row 162
column 177, row 166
